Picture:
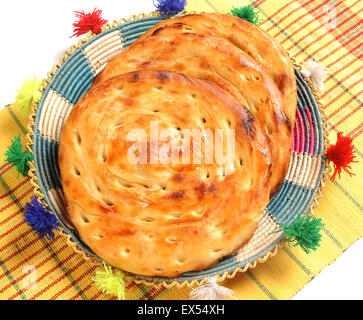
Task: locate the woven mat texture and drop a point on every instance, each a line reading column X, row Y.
column 302, row 28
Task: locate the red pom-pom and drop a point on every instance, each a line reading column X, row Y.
column 88, row 22
column 341, row 154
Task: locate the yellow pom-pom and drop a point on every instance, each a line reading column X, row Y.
column 110, row 283
column 29, row 92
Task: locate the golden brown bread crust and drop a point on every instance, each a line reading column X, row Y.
column 161, row 219
column 253, row 40
column 215, row 59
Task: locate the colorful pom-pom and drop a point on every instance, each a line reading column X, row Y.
column 88, row 22
column 170, row 6
column 246, row 13
column 109, row 282
column 211, row 291
column 17, row 157
column 342, row 155
column 317, row 72
column 304, row 232
column 40, row 219
column 29, row 92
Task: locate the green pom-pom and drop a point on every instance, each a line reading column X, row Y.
column 16, row 157
column 29, row 92
column 110, row 283
column 304, row 232
column 246, row 13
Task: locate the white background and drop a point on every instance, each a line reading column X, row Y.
column 35, row 35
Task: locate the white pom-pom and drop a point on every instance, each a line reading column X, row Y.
column 317, row 72
column 211, row 291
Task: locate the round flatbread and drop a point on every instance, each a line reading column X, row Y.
column 162, row 218
column 258, row 44
column 216, row 59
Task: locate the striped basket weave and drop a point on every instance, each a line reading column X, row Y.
column 72, row 78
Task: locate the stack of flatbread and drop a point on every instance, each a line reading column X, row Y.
column 143, row 192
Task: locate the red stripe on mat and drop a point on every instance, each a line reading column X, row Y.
column 46, row 274
column 348, row 40
column 283, row 18
column 339, row 82
column 298, row 19
column 309, row 55
column 16, row 200
column 302, row 28
column 89, row 286
column 274, row 14
column 14, row 189
column 67, row 273
column 333, row 51
column 16, row 239
column 4, row 165
column 5, row 168
column 76, row 281
column 153, row 293
column 22, row 222
column 12, row 283
column 27, row 245
column 350, row 23
column 343, row 92
column 341, row 107
column 334, row 126
column 340, row 58
column 96, row 295
column 37, row 266
column 32, row 256
column 15, row 214
column 356, row 132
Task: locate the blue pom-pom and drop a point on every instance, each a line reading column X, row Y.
column 170, row 6
column 40, row 219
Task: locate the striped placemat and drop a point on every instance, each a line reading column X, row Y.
column 304, row 30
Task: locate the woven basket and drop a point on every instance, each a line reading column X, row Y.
column 72, row 78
